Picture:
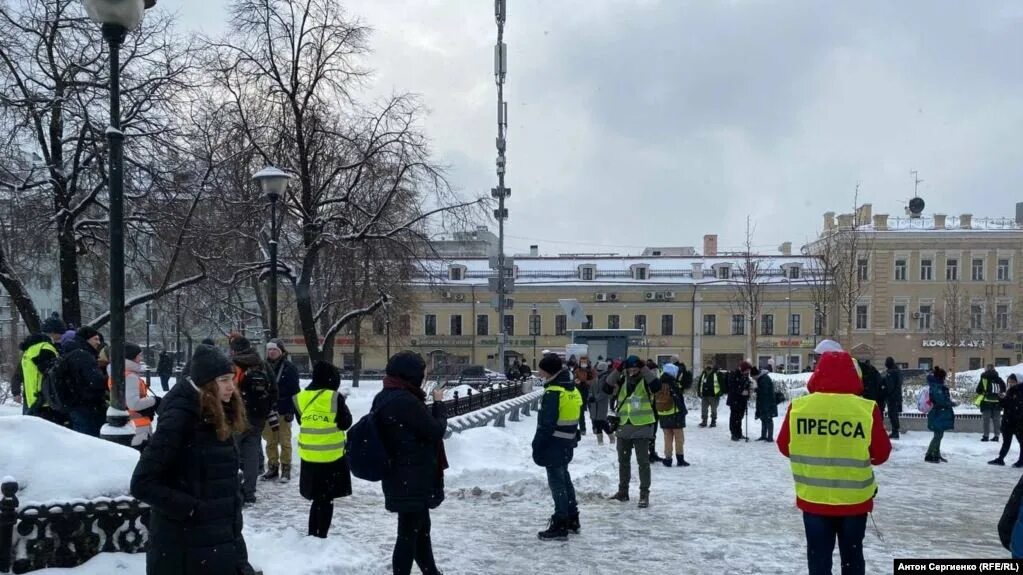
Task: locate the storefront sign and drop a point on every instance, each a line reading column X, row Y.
column 442, row 341
column 510, row 342
column 784, row 342
column 301, row 340
column 963, row 343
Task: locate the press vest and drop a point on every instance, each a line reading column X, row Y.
column 635, row 409
column 570, row 404
column 137, row 418
column 319, row 439
column 31, row 376
column 829, row 449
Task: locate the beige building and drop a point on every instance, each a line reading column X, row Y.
column 906, row 307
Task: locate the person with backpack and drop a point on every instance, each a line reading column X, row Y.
column 671, row 416
column 141, row 404
column 554, row 443
column 83, row 382
column 599, row 403
column 940, row 416
column 710, row 386
column 259, row 395
column 412, row 435
column 323, row 419
column 893, row 395
column 278, row 441
column 38, row 354
column 585, row 376
column 766, row 406
column 1012, row 420
column 188, row 475
column 990, row 390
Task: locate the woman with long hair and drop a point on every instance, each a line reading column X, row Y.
column 188, row 474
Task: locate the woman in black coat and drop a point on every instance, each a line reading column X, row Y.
column 323, row 482
column 766, row 406
column 413, row 435
column 1012, row 420
column 188, row 474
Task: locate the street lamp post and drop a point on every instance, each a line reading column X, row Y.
column 149, row 353
column 177, row 334
column 387, row 327
column 534, row 327
column 274, row 183
column 788, row 340
column 116, row 18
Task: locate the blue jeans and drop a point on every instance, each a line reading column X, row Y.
column 562, row 491
column 821, row 531
column 87, row 420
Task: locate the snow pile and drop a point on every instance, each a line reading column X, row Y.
column 973, row 376
column 55, row 464
column 103, row 564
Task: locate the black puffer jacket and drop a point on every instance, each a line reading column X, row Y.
column 257, row 386
column 413, row 434
column 190, row 478
column 88, row 380
column 1012, row 409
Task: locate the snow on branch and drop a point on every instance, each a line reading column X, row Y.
column 355, row 314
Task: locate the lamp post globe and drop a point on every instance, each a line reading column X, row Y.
column 274, row 183
column 124, row 13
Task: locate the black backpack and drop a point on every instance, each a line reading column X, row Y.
column 367, row 456
column 256, row 392
column 57, row 389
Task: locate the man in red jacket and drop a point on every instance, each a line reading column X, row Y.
column 832, row 438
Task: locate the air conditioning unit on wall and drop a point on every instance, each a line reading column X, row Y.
column 459, row 297
column 612, row 297
column 669, row 295
column 600, row 297
column 650, row 296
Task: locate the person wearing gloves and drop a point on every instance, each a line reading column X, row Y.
column 633, row 391
column 323, row 419
column 188, row 475
column 1012, row 420
column 990, row 391
column 671, row 416
column 278, row 440
column 557, row 434
column 141, row 405
column 259, row 394
column 599, row 404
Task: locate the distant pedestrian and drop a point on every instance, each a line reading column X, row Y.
column 413, row 434
column 739, row 385
column 324, row 417
column 1012, row 420
column 165, row 369
column 188, row 475
column 278, row 438
column 710, row 386
column 634, row 390
column 766, row 404
column 259, row 394
column 990, row 390
column 557, row 434
column 599, row 404
column 941, row 417
column 671, row 416
column 584, row 377
column 893, row 395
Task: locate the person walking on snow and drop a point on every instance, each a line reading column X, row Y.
column 164, row 369
column 671, row 416
column 766, row 406
column 941, row 417
column 893, row 395
column 634, row 391
column 1012, row 420
column 599, row 403
column 832, row 437
column 990, row 390
column 585, row 376
column 323, row 419
column 710, row 387
column 259, row 394
column 278, row 441
column 739, row 386
column 557, row 434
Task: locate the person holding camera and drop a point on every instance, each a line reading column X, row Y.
column 634, row 390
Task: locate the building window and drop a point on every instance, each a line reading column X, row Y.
column 456, row 324
column 793, row 273
column 767, row 324
column 794, row 324
column 818, row 324
column 378, row 325
column 509, row 324
column 724, row 272
column 861, row 316
column 614, row 321
column 1002, row 362
column 900, row 270
column 667, row 324
column 534, row 324
column 975, row 362
column 588, row 324
column 925, row 317
column 640, row 272
column 456, row 273
column 1003, row 270
column 976, row 317
column 46, row 281
column 952, row 269
column 738, row 324
column 899, row 319
column 863, row 269
column 926, row 270
column 925, row 363
column 1002, row 316
column 430, row 327
column 560, row 324
column 586, row 272
column 710, row 324
column 483, row 324
column 404, row 324
column 977, row 270
column 640, row 322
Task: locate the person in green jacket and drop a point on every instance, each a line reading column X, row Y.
column 39, row 352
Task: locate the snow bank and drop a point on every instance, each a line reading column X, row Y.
column 973, row 376
column 103, row 564
column 54, row 464
column 275, row 552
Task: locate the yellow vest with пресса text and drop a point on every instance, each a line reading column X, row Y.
column 319, row 439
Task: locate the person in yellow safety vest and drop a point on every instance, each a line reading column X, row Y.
column 557, row 434
column 710, row 386
column 671, row 415
column 832, row 438
column 635, row 390
column 323, row 419
column 38, row 352
column 140, row 403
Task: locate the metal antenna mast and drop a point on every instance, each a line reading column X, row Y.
column 500, row 192
column 916, row 183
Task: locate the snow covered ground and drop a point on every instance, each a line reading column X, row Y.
column 732, row 512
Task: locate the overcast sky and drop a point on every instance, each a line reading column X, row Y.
column 644, row 122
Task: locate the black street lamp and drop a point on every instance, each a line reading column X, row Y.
column 274, row 183
column 177, row 336
column 149, row 352
column 117, row 18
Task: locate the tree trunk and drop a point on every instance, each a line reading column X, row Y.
column 20, row 298
column 71, row 302
column 304, row 307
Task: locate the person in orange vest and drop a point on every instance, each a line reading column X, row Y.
column 140, row 403
column 832, row 438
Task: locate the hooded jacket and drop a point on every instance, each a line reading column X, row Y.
column 549, row 450
column 836, row 373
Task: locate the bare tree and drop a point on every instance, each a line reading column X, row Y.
column 748, row 290
column 999, row 320
column 952, row 321
column 820, row 277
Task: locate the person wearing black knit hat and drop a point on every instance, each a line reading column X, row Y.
column 634, row 390
column 258, row 389
column 412, row 432
column 88, row 382
column 38, row 351
column 557, row 434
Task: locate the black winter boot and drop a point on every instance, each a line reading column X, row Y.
column 573, row 526
column 714, row 423
column 271, row 472
column 556, row 531
column 644, row 500
column 681, row 461
column 997, row 461
column 1018, row 464
column 666, row 462
column 654, row 458
column 893, row 435
column 621, row 496
column 285, row 472
column 703, row 424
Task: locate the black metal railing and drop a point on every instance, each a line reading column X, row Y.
column 474, row 401
column 67, row 534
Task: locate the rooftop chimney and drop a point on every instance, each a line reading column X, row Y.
column 863, row 214
column 939, row 221
column 966, row 221
column 1019, row 214
column 845, row 221
column 881, row 222
column 785, row 249
column 829, row 221
column 710, row 245
column 697, row 270
column 534, row 250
